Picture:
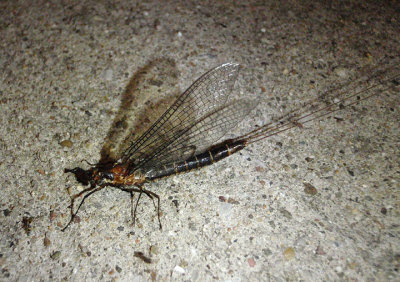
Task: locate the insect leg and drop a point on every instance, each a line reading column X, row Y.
column 132, row 197
column 91, row 190
column 149, row 194
column 131, row 192
column 137, row 203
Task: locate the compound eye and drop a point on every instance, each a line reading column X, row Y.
column 108, row 175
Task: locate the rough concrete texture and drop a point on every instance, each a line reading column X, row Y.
column 317, row 202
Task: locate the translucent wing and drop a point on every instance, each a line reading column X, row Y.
column 203, row 134
column 200, row 116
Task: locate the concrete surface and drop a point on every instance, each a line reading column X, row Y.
column 318, row 202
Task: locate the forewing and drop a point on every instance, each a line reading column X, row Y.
column 203, row 98
column 203, row 134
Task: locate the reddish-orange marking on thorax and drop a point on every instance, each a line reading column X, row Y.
column 119, row 170
column 121, row 176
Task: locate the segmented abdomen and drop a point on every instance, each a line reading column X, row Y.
column 211, row 156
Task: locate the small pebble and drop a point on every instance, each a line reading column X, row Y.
column 66, row 143
column 267, row 252
column 179, row 269
column 56, row 255
column 77, row 219
column 154, row 250
column 26, row 224
column 157, row 24
column 259, row 169
column 108, row 75
column 52, row 216
column 341, row 72
column 251, row 262
column 176, row 203
column 46, row 241
column 352, row 265
column 232, row 201
column 368, row 198
column 286, row 214
column 289, row 253
column 320, row 251
column 310, row 189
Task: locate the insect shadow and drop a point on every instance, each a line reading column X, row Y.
column 148, row 94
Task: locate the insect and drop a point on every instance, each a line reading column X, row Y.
column 186, row 136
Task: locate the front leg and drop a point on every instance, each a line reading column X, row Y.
column 90, row 191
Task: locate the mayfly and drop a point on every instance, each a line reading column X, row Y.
column 186, row 136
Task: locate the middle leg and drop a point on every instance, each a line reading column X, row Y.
column 141, row 191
